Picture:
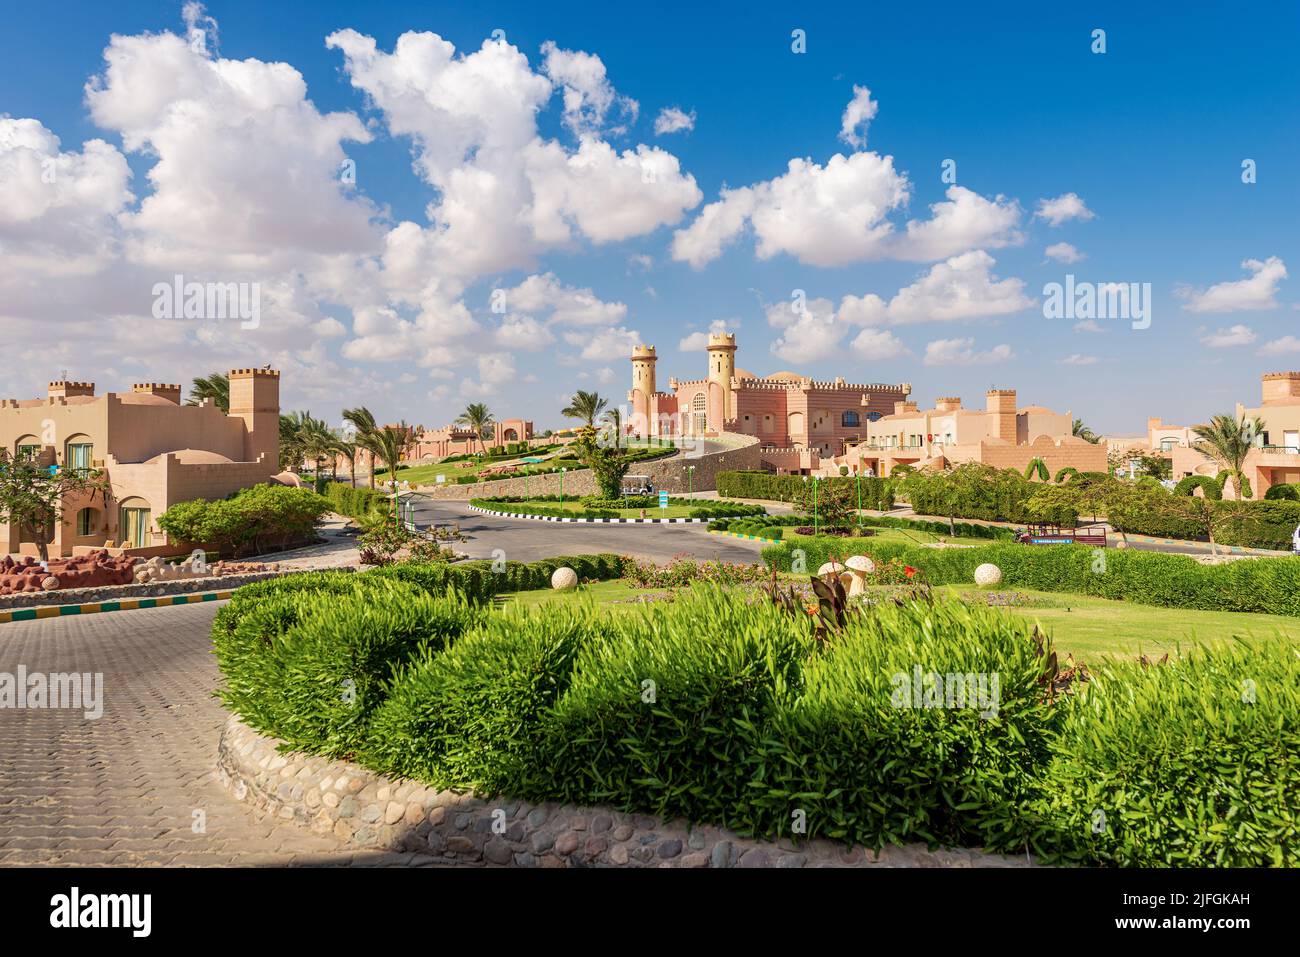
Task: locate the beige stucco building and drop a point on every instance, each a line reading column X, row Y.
column 1002, row 434
column 798, row 420
column 154, row 451
column 1276, row 457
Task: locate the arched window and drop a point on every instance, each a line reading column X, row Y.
column 78, row 452
column 27, row 448
column 849, row 420
column 873, row 416
column 133, row 523
column 87, row 522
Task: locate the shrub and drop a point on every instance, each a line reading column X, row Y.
column 367, row 506
column 1266, row 585
column 251, row 521
column 1190, row 483
column 877, row 493
column 1289, row 493
column 872, row 756
column 1190, row 763
column 470, row 716
column 480, row 580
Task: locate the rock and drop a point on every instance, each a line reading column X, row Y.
column 753, row 858
column 622, row 832
column 542, row 842
column 564, row 578
column 394, row 812
column 537, row 817
column 498, row 851
column 670, row 848
column 601, row 823
column 721, row 856
column 988, row 575
column 618, row 855
column 697, row 859
column 566, row 843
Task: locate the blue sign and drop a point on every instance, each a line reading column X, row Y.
column 663, row 498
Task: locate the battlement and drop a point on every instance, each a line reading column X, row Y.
column 643, row 352
column 68, row 384
column 260, row 373
column 154, row 386
column 722, row 340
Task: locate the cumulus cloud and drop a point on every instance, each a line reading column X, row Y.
column 1063, row 253
column 672, row 119
column 1237, row 335
column 604, row 345
column 698, row 341
column 837, row 213
column 962, row 352
column 1286, row 345
column 959, row 289
column 877, row 344
column 1078, row 359
column 861, row 111
column 1257, row 291
column 546, row 295
column 588, row 94
column 1062, row 209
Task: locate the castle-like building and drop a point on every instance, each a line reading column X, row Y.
column 798, row 419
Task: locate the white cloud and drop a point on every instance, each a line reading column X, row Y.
column 1237, row 335
column 1286, row 345
column 959, row 289
column 523, row 332
column 810, row 337
column 1063, row 253
column 1078, row 359
column 877, row 344
column 964, row 221
column 1088, row 325
column 950, row 352
column 563, row 305
column 588, row 94
column 1258, row 291
column 671, row 119
column 1062, row 209
column 861, row 111
column 604, row 345
column 698, row 341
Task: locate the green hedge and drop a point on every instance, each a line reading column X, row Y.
column 1289, row 493
column 1265, row 585
column 770, row 526
column 513, row 503
column 365, row 505
column 1195, row 763
column 877, row 493
column 249, row 522
column 1190, row 483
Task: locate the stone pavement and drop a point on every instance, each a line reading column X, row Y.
column 138, row 785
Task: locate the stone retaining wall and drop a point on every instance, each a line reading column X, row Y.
column 368, row 810
column 180, row 586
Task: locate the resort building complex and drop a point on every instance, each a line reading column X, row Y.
column 153, row 450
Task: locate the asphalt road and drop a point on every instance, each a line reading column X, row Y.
column 524, row 540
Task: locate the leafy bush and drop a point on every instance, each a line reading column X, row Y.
column 367, row 506
column 1191, row 763
column 683, row 571
column 1190, row 483
column 249, row 522
column 1267, row 585
column 480, row 580
column 1289, row 493
column 877, row 493
column 515, row 504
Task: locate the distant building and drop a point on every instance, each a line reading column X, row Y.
column 1275, row 460
column 1001, row 434
column 798, row 420
column 154, row 451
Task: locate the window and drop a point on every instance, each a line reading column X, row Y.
column 79, row 455
column 873, row 416
column 1166, row 445
column 28, row 453
column 134, row 527
column 86, row 521
column 849, row 420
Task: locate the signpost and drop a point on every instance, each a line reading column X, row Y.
column 663, row 498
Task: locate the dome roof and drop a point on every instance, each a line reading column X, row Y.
column 192, row 456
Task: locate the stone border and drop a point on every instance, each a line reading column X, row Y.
column 600, row 521
column 748, row 538
column 371, row 812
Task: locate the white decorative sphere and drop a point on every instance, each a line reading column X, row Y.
column 564, row 578
column 988, row 574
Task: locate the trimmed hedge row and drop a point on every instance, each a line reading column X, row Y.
column 877, row 493
column 774, row 523
column 365, row 505
column 921, row 721
column 251, row 521
column 1266, row 585
column 514, row 503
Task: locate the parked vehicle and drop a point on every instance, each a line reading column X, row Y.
column 1055, row 535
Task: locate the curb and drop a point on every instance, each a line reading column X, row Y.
column 748, row 538
column 121, row 604
column 597, row 521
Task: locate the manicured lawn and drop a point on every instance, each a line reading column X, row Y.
column 1088, row 628
column 904, row 536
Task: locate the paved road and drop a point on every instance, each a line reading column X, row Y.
column 124, row 789
column 525, row 541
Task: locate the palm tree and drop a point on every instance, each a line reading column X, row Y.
column 479, row 418
column 1228, row 441
column 364, row 422
column 349, row 451
column 293, row 433
column 615, row 419
column 1037, row 467
column 586, row 406
column 392, row 442
column 1078, row 429
column 215, row 387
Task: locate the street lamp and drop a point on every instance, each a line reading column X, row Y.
column 562, row 471
column 690, row 478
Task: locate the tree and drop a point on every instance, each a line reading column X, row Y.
column 1227, row 441
column 363, row 421
column 1037, row 467
column 609, row 465
column 292, row 448
column 349, row 451
column 614, row 419
column 215, row 387
column 393, row 441
column 586, row 406
column 833, row 503
column 1079, row 430
column 478, row 417
column 32, row 496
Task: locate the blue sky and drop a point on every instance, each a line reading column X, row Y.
column 1149, row 137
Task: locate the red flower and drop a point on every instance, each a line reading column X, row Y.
column 909, row 571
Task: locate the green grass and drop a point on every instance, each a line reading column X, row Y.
column 1088, row 628
column 903, row 536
